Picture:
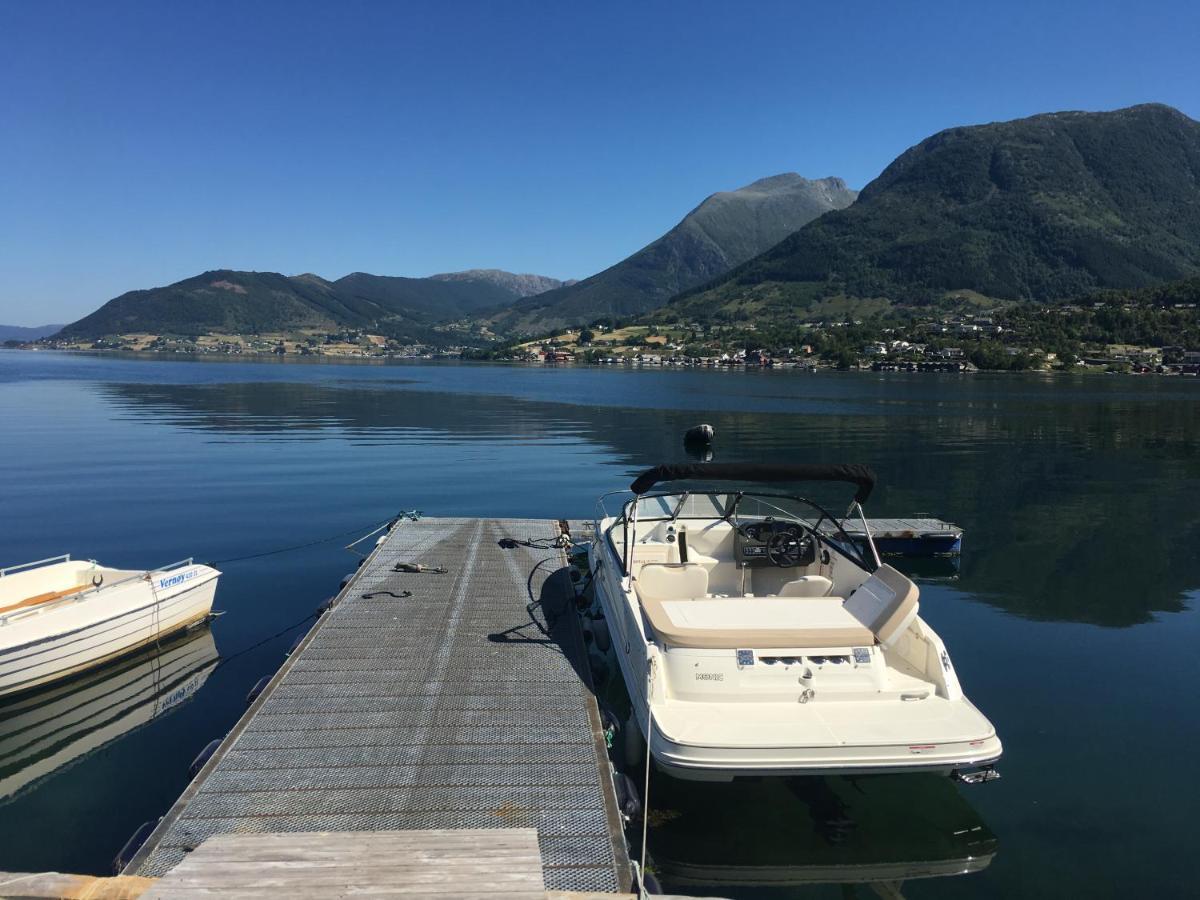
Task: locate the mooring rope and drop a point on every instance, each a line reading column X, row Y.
column 650, row 668
column 378, row 526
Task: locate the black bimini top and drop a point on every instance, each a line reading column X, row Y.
column 852, row 473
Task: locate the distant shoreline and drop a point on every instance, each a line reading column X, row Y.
column 320, row 359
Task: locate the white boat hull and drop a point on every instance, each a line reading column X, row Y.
column 43, row 644
column 786, row 754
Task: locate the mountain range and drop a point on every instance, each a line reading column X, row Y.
column 230, row 302
column 1038, row 209
column 725, row 230
column 1045, row 208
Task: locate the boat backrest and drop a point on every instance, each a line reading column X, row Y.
column 672, row 581
column 886, row 603
column 807, row 586
column 653, row 552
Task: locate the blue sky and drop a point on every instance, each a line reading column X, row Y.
column 141, row 143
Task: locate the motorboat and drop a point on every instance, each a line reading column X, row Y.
column 60, row 616
column 757, row 637
column 44, row 731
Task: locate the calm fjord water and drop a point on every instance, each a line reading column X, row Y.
column 1072, row 622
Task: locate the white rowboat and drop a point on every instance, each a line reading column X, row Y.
column 61, row 616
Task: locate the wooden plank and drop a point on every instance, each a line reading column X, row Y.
column 323, row 893
column 433, row 838
column 60, row 886
column 497, row 862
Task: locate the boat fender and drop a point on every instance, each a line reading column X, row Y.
column 204, row 756
column 133, row 845
column 629, row 803
column 382, row 538
column 346, row 580
column 610, row 725
column 257, row 689
column 359, row 564
column 699, row 435
column 296, row 644
column 599, row 667
column 601, row 634
column 650, row 883
column 633, row 745
column 325, row 605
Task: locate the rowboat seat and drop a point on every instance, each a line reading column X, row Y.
column 37, row 599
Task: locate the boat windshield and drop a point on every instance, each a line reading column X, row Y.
column 743, row 507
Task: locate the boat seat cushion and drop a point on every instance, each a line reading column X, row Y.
column 886, row 603
column 672, row 581
column 807, row 586
column 777, row 623
column 648, row 552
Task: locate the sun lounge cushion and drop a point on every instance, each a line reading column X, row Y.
column 886, row 603
column 759, row 622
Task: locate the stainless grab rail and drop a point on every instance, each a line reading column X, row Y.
column 65, row 557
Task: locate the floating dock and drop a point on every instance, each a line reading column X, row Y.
column 918, row 536
column 420, row 701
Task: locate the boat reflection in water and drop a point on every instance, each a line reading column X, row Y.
column 875, row 831
column 43, row 731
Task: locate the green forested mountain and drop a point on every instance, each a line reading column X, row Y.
column 227, row 301
column 1039, row 209
column 728, row 228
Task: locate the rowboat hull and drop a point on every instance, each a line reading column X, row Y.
column 45, row 643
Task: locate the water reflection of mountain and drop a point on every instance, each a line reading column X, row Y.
column 1077, row 506
column 45, row 731
column 881, row 831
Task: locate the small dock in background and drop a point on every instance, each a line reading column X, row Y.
column 422, row 700
column 916, row 536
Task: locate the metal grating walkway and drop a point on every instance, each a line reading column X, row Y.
column 463, row 706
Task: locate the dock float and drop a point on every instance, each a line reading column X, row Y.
column 918, row 536
column 426, row 700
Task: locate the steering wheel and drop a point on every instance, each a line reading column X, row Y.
column 785, row 549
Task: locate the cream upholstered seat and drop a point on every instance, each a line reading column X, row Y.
column 807, row 586
column 886, row 603
column 727, row 623
column 672, row 581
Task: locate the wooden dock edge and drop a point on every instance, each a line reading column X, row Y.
column 616, row 826
column 60, row 886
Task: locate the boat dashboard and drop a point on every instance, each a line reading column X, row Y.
column 774, row 542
